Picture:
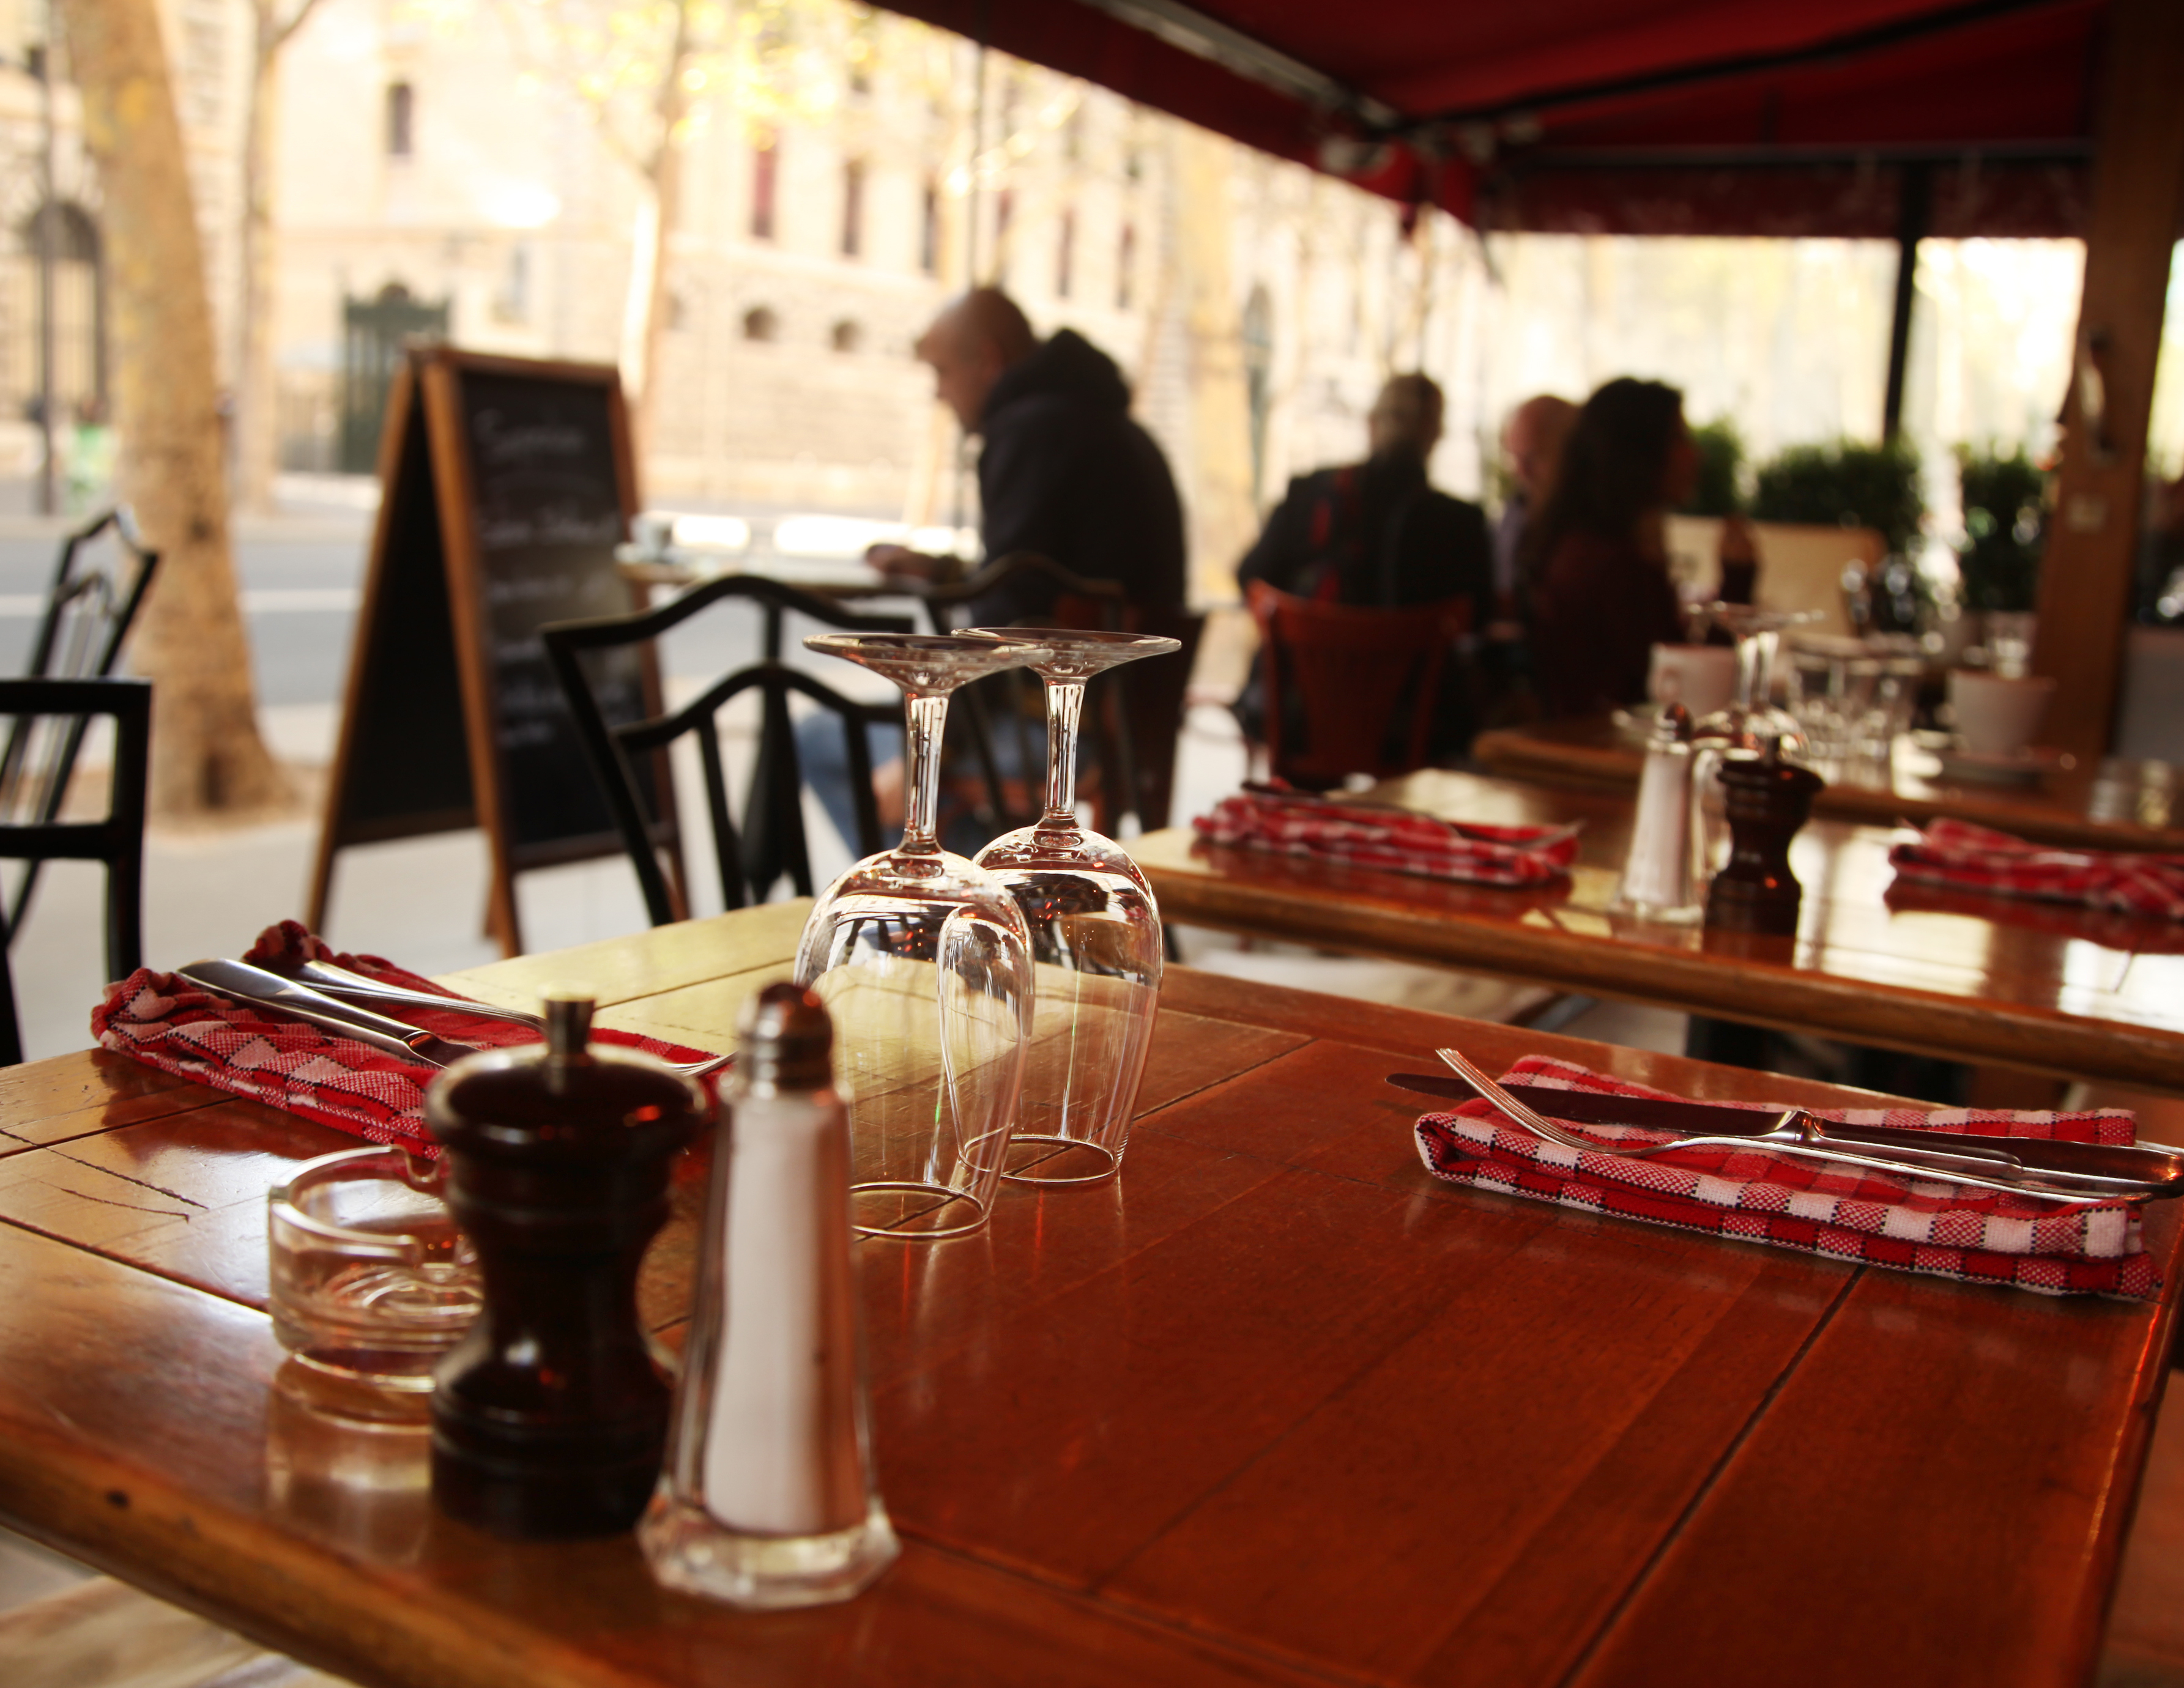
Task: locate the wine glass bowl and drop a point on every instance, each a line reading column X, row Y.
column 924, row 961
column 1095, row 937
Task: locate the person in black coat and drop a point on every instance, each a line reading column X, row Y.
column 1065, row 471
column 1378, row 535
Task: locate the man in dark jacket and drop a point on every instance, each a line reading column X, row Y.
column 1378, row 535
column 1065, row 471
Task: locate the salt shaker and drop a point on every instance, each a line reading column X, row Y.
column 1657, row 875
column 767, row 1499
column 550, row 1417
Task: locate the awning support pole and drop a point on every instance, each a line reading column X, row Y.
column 1914, row 204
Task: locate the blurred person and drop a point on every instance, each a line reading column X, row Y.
column 1596, row 557
column 1379, row 536
column 1531, row 446
column 1065, row 471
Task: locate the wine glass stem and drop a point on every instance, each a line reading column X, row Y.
column 1065, row 711
column 1755, row 658
column 927, row 713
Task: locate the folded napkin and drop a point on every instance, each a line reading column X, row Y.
column 1398, row 840
column 168, row 1023
column 1967, row 857
column 1911, row 1224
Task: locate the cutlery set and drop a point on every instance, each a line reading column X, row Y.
column 2071, row 1173
column 332, row 997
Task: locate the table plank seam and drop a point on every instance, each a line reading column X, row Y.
column 1707, row 1483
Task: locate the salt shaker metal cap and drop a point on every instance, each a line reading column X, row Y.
column 767, row 1498
column 550, row 1418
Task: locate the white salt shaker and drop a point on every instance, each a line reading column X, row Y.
column 766, row 1499
column 1657, row 880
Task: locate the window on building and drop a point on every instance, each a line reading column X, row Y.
column 1065, row 254
column 766, row 168
column 401, row 119
column 846, row 336
column 1126, row 266
column 678, row 314
column 928, row 233
column 1005, row 211
column 761, row 324
column 511, row 300
column 853, row 208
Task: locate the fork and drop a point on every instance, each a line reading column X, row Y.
column 1541, row 1126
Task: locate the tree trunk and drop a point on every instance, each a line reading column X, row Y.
column 1217, row 487
column 257, row 427
column 664, row 177
column 207, row 754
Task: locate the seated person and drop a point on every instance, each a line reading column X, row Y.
column 1065, row 471
column 1378, row 535
column 1596, row 554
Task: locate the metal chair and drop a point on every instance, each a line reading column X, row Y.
column 771, row 840
column 89, row 610
column 1337, row 677
column 118, row 840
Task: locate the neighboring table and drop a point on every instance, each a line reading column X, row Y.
column 2120, row 806
column 1277, row 1408
column 2040, row 986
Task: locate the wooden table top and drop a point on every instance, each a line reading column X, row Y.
column 1277, row 1408
column 2039, row 987
column 2122, row 806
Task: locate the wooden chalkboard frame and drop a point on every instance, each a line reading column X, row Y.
column 400, row 769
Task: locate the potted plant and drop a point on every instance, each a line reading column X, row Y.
column 1846, row 484
column 2005, row 529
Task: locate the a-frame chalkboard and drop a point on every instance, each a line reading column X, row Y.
column 506, row 484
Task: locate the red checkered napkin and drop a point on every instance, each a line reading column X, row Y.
column 167, row 1023
column 1397, row 840
column 1967, row 857
column 1913, row 1225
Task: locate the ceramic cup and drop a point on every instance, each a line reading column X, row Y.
column 1996, row 716
column 1703, row 678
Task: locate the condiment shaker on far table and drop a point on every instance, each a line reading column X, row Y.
column 767, row 1498
column 550, row 1417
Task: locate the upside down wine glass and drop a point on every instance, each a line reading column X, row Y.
column 1095, row 937
column 1744, row 729
column 924, row 964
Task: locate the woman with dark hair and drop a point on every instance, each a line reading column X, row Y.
column 1600, row 596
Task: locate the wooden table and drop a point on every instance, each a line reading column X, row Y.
column 1278, row 1408
column 2036, row 987
column 2119, row 805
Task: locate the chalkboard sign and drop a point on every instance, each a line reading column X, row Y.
column 507, row 484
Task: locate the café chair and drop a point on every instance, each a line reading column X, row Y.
column 1131, row 719
column 117, row 841
column 94, row 599
column 1350, row 690
column 770, row 842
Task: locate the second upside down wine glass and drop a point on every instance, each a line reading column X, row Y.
column 924, row 964
column 1095, row 937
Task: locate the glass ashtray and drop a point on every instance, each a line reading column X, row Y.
column 371, row 1279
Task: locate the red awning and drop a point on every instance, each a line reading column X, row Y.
column 1620, row 116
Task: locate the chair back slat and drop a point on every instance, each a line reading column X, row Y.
column 1351, row 671
column 612, row 749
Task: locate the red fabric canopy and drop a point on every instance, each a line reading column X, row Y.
column 1620, row 116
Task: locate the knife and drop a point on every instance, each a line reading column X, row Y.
column 2160, row 1170
column 241, row 982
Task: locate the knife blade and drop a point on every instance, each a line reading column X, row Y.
column 241, row 982
column 2160, row 1168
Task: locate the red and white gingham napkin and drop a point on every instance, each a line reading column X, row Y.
column 1912, row 1225
column 167, row 1023
column 1397, row 840
column 1967, row 857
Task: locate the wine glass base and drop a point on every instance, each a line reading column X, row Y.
column 911, row 1212
column 1062, row 1161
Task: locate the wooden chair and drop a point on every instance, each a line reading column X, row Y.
column 90, row 608
column 118, row 840
column 771, row 840
column 1131, row 719
column 1336, row 677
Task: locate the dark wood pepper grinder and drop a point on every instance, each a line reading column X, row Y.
column 1766, row 800
column 550, row 1418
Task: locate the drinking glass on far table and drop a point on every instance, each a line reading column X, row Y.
column 1095, row 938
column 924, row 964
